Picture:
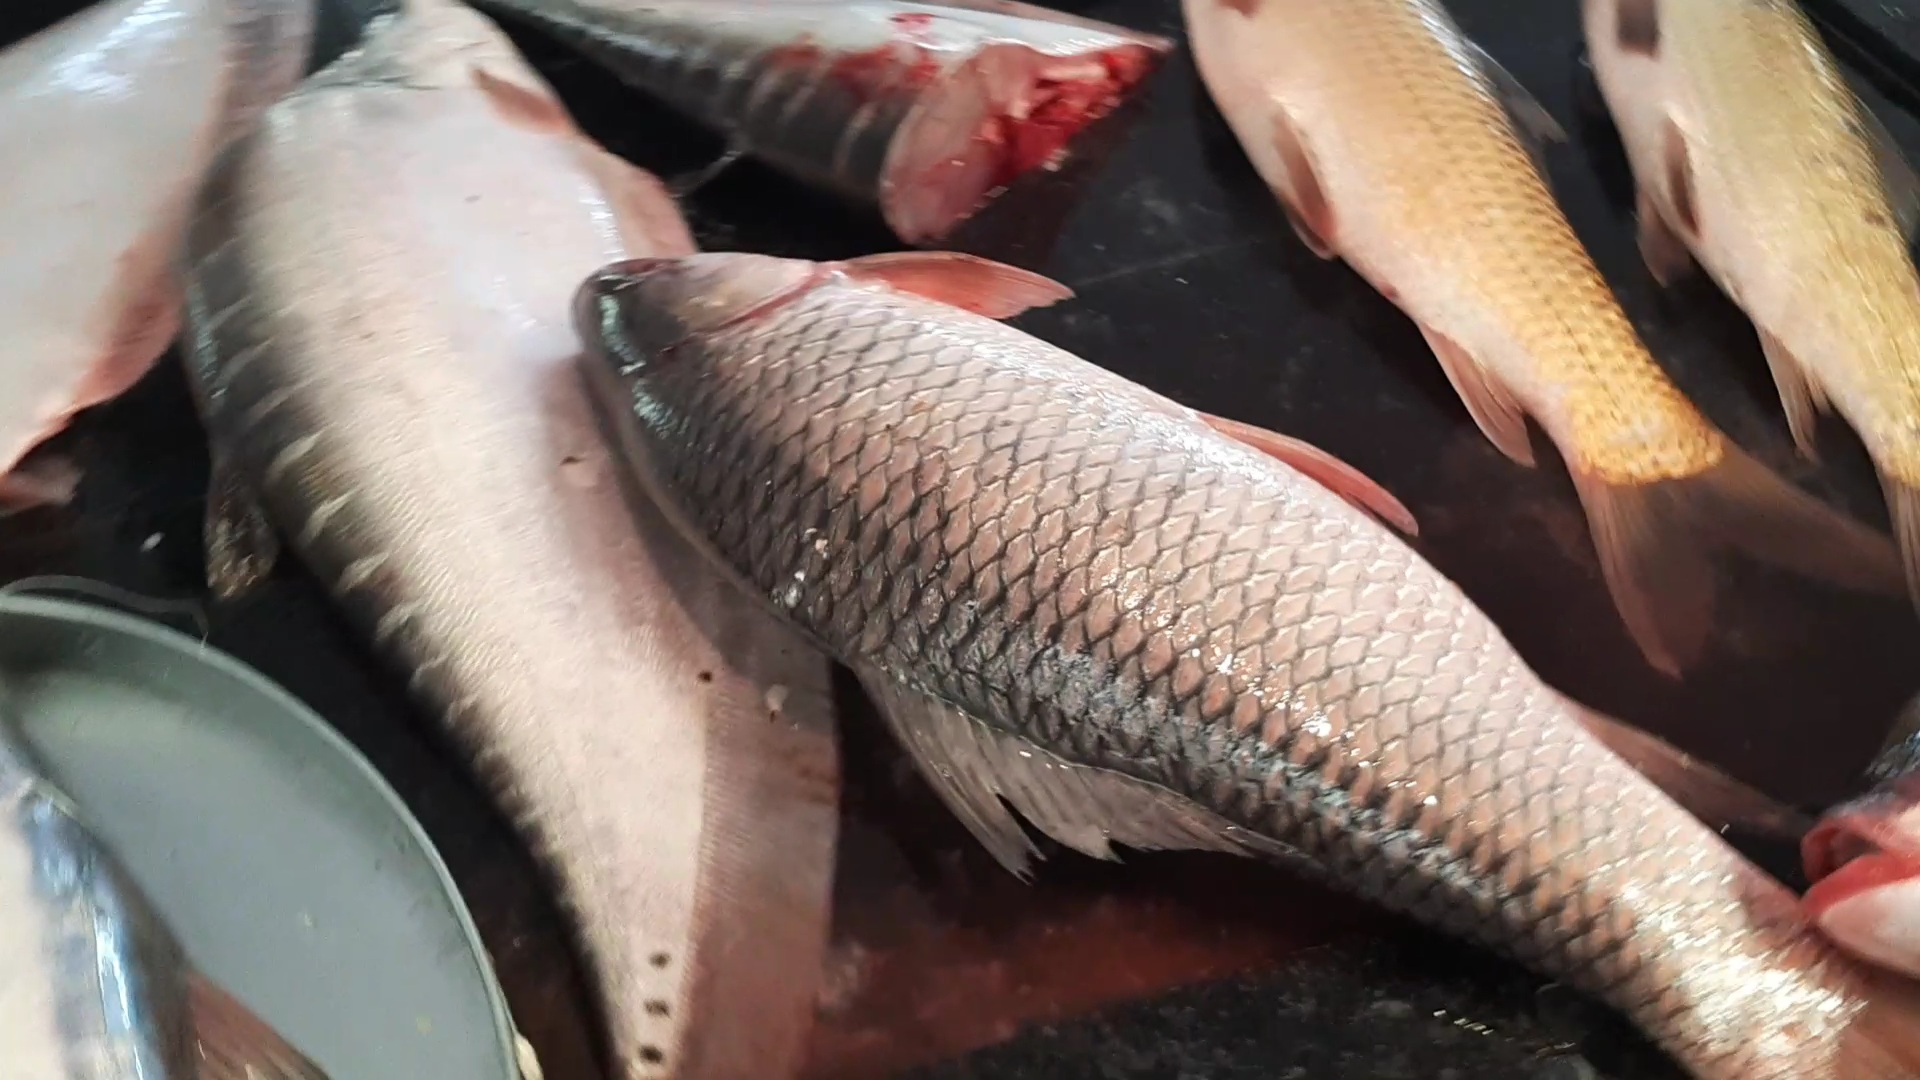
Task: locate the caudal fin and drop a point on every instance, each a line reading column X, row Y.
column 1654, row 542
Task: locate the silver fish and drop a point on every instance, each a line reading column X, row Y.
column 93, row 984
column 108, row 122
column 1075, row 594
column 925, row 110
column 378, row 313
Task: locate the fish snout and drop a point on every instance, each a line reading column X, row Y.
column 1864, row 861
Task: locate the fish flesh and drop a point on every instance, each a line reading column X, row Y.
column 925, row 110
column 1864, row 858
column 108, row 121
column 1753, row 155
column 1397, row 145
column 378, row 315
column 1073, row 593
column 93, row 983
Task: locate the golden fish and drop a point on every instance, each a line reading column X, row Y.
column 1752, row 153
column 1395, row 144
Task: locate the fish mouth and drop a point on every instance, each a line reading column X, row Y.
column 1864, row 861
column 1006, row 112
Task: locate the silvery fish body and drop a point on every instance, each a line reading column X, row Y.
column 93, row 984
column 923, row 109
column 1075, row 594
column 378, row 310
column 108, row 122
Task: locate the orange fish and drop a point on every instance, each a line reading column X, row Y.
column 1396, row 144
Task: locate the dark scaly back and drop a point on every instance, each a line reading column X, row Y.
column 1071, row 559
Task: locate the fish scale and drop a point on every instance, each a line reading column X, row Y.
column 1088, row 568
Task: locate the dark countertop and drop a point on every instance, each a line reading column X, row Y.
column 1189, row 281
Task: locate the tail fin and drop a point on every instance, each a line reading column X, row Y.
column 1654, row 541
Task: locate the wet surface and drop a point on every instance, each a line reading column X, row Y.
column 1171, row 966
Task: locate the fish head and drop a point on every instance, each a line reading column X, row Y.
column 638, row 310
column 1864, row 861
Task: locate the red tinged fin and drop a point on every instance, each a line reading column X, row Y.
column 1323, row 468
column 523, row 106
column 1305, row 200
column 1718, row 800
column 1492, row 406
column 969, row 282
column 41, row 480
column 1654, row 539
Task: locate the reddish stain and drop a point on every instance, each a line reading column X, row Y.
column 1061, row 109
column 801, row 54
column 1244, row 7
column 894, row 68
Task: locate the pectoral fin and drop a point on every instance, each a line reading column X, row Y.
column 241, row 544
column 1323, row 468
column 1663, row 250
column 973, row 766
column 1800, row 396
column 1491, row 405
column 981, row 286
column 41, row 480
column 234, row 1044
column 1302, row 197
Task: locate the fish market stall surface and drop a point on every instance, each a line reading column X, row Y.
column 1189, row 281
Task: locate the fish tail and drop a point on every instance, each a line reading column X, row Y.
column 1654, row 541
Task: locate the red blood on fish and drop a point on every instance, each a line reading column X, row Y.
column 801, row 54
column 1061, row 110
column 890, row 69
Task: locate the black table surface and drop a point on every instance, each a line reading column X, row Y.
column 1189, row 281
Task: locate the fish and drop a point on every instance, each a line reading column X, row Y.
column 94, row 985
column 380, row 343
column 924, row 111
column 109, row 120
column 1863, row 858
column 1396, row 144
column 1072, row 593
column 1754, row 159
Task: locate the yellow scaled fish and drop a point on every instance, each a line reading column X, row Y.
column 1752, row 153
column 1396, row 144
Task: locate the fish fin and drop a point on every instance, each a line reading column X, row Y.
column 1662, row 249
column 1531, row 120
column 1491, row 404
column 1653, row 541
column 1679, row 180
column 234, row 1044
column 524, row 106
column 973, row 766
column 1636, row 27
column 1717, row 799
column 686, row 185
column 1903, row 504
column 1323, row 468
column 242, row 545
column 1897, row 176
column 1303, row 199
column 1800, row 396
column 143, row 329
column 981, row 286
column 41, row 480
